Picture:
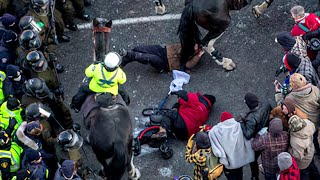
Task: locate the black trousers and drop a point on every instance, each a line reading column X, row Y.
column 255, row 166
column 154, row 55
column 310, row 173
column 174, row 123
column 233, row 174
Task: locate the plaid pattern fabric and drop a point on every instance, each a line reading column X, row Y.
column 270, row 147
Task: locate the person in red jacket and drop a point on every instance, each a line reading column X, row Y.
column 309, row 20
column 289, row 169
column 192, row 112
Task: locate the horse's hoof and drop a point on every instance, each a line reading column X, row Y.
column 256, row 12
column 136, row 175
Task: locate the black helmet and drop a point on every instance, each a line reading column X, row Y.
column 27, row 22
column 29, row 39
column 68, row 139
column 40, row 7
column 36, row 87
column 36, row 111
column 36, row 61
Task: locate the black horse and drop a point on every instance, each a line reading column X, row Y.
column 109, row 122
column 212, row 15
column 111, row 136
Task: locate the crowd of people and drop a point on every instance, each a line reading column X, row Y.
column 286, row 137
column 38, row 139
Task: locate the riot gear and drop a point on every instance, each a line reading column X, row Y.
column 36, row 87
column 112, row 61
column 70, row 140
column 37, row 61
column 27, row 22
column 40, row 7
column 29, row 39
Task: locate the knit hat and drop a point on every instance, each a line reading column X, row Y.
column 225, row 116
column 9, row 37
column 286, row 40
column 13, row 103
column 290, row 104
column 292, row 62
column 8, row 20
column 297, row 81
column 12, row 71
column 68, row 168
column 252, row 101
column 34, row 128
column 202, row 140
column 275, row 127
column 105, row 100
column 32, row 155
column 296, row 123
column 211, row 98
column 284, row 161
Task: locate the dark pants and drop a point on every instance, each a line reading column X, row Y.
column 155, row 55
column 270, row 176
column 310, row 173
column 316, row 143
column 233, row 174
column 255, row 166
column 173, row 122
column 84, row 91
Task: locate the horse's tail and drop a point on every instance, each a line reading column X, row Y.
column 188, row 32
column 120, row 160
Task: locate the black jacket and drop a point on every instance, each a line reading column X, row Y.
column 255, row 120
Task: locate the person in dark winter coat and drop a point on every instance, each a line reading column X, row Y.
column 14, row 82
column 33, row 162
column 8, row 45
column 253, row 122
column 193, row 111
column 67, row 171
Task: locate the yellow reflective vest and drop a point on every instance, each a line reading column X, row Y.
column 13, row 155
column 2, row 78
column 5, row 115
column 103, row 80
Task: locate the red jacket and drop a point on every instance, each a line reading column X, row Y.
column 312, row 22
column 293, row 173
column 193, row 112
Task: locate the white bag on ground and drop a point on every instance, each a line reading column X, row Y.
column 179, row 79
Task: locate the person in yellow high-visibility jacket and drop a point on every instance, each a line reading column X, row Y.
column 10, row 154
column 104, row 77
column 10, row 115
column 2, row 78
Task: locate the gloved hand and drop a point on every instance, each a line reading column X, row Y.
column 311, row 34
column 59, row 91
column 52, row 57
column 173, row 92
column 12, row 122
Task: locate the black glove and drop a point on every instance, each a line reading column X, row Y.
column 59, row 91
column 52, row 57
column 173, row 92
column 311, row 34
column 280, row 70
column 12, row 122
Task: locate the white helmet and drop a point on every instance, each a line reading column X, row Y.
column 112, row 61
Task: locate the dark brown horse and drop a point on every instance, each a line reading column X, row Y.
column 212, row 15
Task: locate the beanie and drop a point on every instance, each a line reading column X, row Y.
column 211, row 98
column 252, row 101
column 68, row 168
column 34, row 128
column 275, row 127
column 8, row 20
column 292, row 62
column 12, row 71
column 290, row 104
column 286, row 40
column 297, row 81
column 284, row 161
column 32, row 155
column 202, row 140
column 9, row 37
column 225, row 116
column 13, row 103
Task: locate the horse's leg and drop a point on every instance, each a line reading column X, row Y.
column 160, row 8
column 212, row 39
column 259, row 9
column 134, row 172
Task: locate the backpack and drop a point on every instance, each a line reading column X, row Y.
column 215, row 168
column 314, row 43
